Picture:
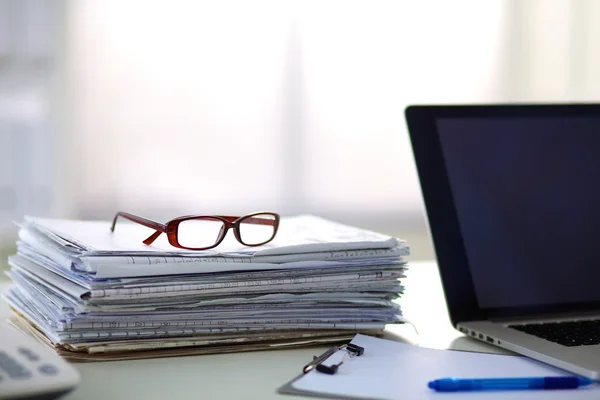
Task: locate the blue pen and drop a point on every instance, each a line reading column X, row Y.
column 553, row 382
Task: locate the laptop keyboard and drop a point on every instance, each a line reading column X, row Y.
column 568, row 333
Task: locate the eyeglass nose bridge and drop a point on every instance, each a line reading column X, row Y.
column 229, row 223
column 223, row 231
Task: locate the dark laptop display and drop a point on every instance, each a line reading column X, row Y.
column 527, row 195
column 513, row 200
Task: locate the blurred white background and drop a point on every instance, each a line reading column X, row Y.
column 165, row 108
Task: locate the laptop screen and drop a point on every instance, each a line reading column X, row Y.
column 527, row 198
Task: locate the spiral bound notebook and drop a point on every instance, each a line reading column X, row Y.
column 390, row 370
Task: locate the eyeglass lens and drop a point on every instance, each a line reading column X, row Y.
column 257, row 229
column 199, row 233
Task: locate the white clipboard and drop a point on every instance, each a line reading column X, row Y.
column 391, row 370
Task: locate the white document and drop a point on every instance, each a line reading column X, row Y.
column 366, row 299
column 397, row 371
column 305, row 241
column 131, row 266
column 49, row 327
column 240, row 284
column 47, row 278
column 36, row 243
column 298, row 234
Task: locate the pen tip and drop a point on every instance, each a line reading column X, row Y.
column 585, row 381
column 432, row 385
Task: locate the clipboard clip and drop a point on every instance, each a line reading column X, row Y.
column 351, row 350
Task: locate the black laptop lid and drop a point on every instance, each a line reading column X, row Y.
column 512, row 194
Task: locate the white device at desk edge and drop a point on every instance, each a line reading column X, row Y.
column 28, row 369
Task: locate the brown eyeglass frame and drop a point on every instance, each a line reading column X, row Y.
column 229, row 222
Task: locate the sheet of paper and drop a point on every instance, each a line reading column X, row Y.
column 305, row 233
column 109, row 268
column 366, row 299
column 301, row 241
column 397, row 371
column 157, row 331
column 44, row 247
column 44, row 276
column 118, row 267
column 379, row 281
column 315, row 269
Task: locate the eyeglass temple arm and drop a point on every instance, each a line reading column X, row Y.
column 251, row 220
column 160, row 228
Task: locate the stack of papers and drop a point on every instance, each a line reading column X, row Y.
column 94, row 294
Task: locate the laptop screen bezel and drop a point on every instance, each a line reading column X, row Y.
column 453, row 264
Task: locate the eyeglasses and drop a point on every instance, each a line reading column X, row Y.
column 203, row 232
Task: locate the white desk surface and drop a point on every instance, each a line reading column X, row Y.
column 257, row 375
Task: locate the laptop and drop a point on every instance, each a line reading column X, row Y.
column 512, row 197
